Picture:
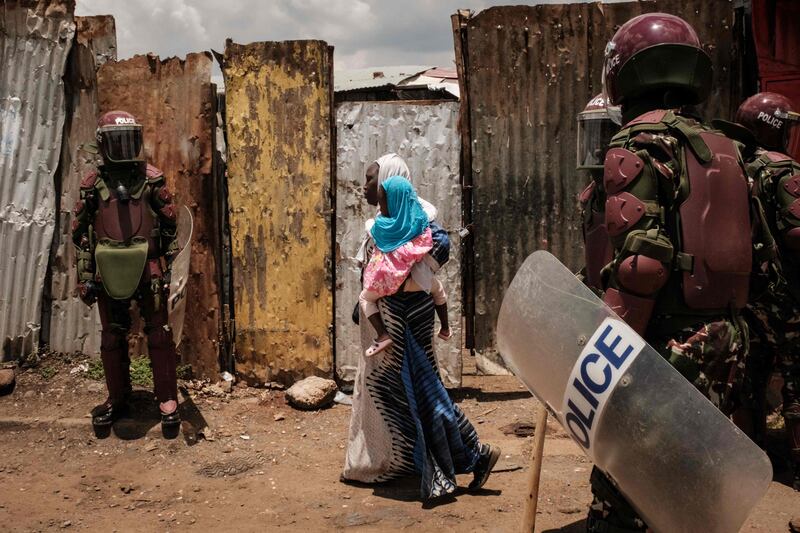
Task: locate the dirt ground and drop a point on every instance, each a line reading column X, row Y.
column 249, row 462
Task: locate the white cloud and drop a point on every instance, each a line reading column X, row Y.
column 363, row 32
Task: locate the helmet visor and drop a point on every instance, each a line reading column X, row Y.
column 122, row 143
column 594, row 135
column 791, row 133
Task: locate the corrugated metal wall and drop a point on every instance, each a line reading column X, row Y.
column 174, row 101
column 73, row 326
column 527, row 71
column 35, row 39
column 279, row 125
column 426, row 135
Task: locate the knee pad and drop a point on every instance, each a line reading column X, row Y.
column 159, row 337
column 113, row 338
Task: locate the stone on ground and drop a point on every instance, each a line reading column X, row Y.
column 7, row 379
column 311, row 393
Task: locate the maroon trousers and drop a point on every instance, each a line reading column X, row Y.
column 116, row 321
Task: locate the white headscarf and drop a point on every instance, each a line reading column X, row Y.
column 392, row 164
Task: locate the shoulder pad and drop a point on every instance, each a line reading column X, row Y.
column 153, row 173
column 651, row 117
column 89, row 180
column 623, row 211
column 620, row 168
column 776, row 157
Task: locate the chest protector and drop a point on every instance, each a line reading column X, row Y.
column 125, row 233
column 598, row 251
column 715, row 255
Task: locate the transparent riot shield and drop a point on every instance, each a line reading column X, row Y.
column 678, row 460
column 176, row 302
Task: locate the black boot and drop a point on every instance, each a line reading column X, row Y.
column 489, row 456
column 170, row 424
column 105, row 414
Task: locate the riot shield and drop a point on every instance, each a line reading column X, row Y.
column 176, row 302
column 678, row 460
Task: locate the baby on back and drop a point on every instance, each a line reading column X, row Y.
column 402, row 236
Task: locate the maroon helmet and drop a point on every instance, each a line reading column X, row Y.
column 596, row 127
column 119, row 137
column 770, row 118
column 656, row 52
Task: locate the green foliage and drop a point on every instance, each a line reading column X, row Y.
column 47, row 372
column 95, row 371
column 141, row 373
column 184, row 371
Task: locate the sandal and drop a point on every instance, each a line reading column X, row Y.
column 446, row 337
column 378, row 346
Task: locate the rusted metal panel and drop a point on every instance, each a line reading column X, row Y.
column 174, row 100
column 279, row 112
column 73, row 326
column 35, row 39
column 426, row 136
column 528, row 70
column 777, row 44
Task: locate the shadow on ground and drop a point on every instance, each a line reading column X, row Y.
column 465, row 393
column 575, row 527
column 407, row 490
column 144, row 416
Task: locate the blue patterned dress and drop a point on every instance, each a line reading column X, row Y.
column 404, row 422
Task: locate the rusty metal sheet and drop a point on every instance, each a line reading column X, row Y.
column 35, row 39
column 74, row 327
column 426, row 136
column 278, row 98
column 174, row 100
column 528, row 70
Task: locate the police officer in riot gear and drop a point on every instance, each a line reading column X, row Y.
column 124, row 229
column 677, row 214
column 764, row 122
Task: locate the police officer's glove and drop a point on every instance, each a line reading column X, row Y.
column 88, row 291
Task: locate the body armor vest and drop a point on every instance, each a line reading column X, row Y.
column 126, row 236
column 706, row 216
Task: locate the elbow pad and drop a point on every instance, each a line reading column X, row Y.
column 642, row 275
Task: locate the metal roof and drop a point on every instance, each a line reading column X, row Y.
column 374, row 77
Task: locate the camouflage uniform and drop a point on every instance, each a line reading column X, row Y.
column 774, row 311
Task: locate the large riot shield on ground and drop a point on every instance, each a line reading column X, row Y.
column 680, row 462
column 176, row 302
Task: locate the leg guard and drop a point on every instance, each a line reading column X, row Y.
column 161, row 348
column 115, row 321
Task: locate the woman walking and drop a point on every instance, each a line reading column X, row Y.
column 403, row 421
